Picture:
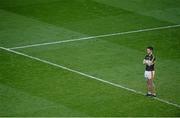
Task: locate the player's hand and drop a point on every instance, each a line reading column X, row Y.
column 150, row 63
column 144, row 61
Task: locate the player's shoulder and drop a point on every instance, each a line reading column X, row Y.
column 147, row 55
column 153, row 57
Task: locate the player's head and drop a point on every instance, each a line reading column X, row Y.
column 149, row 50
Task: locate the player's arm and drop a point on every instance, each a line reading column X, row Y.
column 153, row 61
column 145, row 62
column 150, row 63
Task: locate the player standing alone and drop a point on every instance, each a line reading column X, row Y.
column 149, row 74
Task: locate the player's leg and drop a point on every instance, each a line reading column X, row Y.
column 148, row 83
column 149, row 78
column 153, row 85
column 149, row 89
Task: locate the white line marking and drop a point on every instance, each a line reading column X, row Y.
column 97, row 36
column 86, row 75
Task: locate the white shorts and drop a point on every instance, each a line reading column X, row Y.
column 149, row 74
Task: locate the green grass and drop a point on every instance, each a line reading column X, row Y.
column 62, row 93
column 32, row 88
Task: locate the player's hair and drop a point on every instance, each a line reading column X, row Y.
column 151, row 48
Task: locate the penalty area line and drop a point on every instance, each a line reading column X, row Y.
column 86, row 75
column 97, row 36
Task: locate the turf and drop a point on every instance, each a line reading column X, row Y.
column 32, row 88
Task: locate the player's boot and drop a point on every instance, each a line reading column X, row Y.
column 148, row 94
column 153, row 95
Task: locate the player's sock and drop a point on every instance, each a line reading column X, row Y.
column 154, row 94
column 149, row 94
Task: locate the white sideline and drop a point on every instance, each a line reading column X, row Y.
column 97, row 36
column 86, row 75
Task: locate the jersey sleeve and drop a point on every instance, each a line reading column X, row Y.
column 145, row 57
column 154, row 58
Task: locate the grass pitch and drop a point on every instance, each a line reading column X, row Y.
column 32, row 88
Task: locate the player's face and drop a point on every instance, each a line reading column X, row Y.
column 148, row 51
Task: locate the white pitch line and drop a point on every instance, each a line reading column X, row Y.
column 97, row 36
column 86, row 75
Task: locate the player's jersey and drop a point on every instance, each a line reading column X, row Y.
column 150, row 58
